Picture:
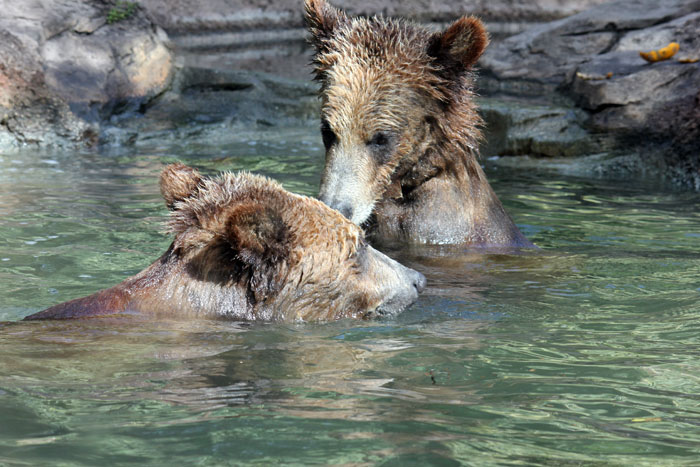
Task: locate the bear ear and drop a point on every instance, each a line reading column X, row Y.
column 322, row 19
column 460, row 45
column 257, row 233
column 178, row 182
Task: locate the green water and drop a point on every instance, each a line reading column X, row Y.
column 583, row 353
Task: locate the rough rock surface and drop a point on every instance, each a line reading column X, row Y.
column 519, row 127
column 63, row 69
column 269, row 35
column 184, row 15
column 590, row 63
column 204, row 104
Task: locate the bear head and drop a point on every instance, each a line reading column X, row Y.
column 396, row 104
column 252, row 250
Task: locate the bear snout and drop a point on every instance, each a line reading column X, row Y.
column 401, row 292
column 346, row 210
column 419, row 281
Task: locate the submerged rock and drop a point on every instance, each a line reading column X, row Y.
column 642, row 116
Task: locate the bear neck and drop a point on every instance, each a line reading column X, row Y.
column 167, row 288
column 444, row 197
column 172, row 286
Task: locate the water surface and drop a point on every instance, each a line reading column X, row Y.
column 582, row 353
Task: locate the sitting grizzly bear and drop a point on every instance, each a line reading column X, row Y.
column 401, row 129
column 246, row 249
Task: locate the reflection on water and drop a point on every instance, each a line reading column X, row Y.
column 583, row 352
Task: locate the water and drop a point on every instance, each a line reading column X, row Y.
column 583, row 353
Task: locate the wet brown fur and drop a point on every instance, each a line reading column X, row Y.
column 388, row 76
column 247, row 249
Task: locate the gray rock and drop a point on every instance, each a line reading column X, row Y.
column 94, row 72
column 186, row 16
column 549, row 53
column 521, row 128
column 266, row 35
column 640, row 114
column 206, row 104
column 64, row 69
column 638, row 93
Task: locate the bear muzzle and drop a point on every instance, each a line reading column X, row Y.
column 402, row 292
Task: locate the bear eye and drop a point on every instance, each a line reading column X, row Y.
column 381, row 146
column 360, row 255
column 380, row 139
column 327, row 134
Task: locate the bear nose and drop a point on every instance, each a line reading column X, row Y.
column 419, row 282
column 346, row 210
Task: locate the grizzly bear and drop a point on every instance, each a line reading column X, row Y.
column 401, row 130
column 246, row 249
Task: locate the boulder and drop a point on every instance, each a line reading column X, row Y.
column 65, row 68
column 519, row 127
column 590, row 63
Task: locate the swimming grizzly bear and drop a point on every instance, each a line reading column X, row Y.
column 401, row 129
column 246, row 249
